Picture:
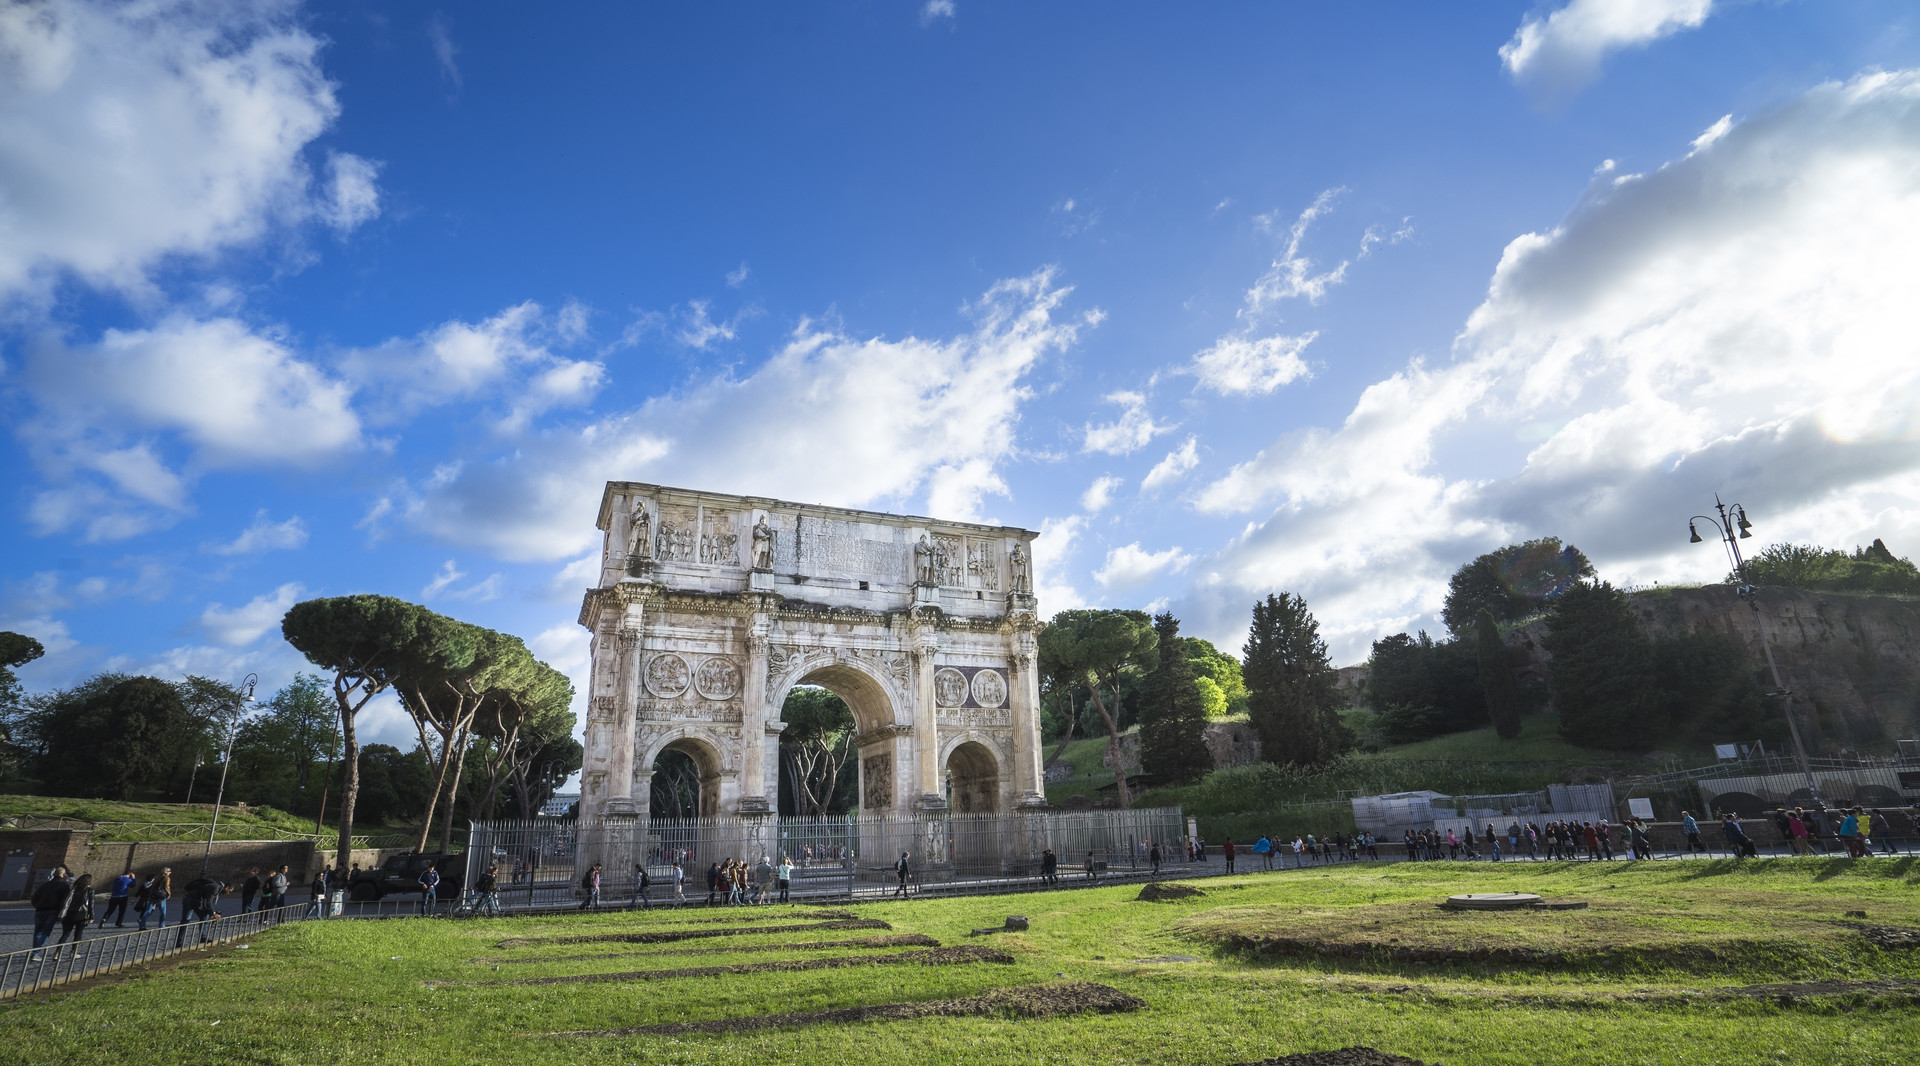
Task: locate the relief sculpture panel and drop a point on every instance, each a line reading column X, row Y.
column 878, row 771
column 667, row 675
column 674, row 541
column 720, row 540
column 717, row 678
column 949, row 687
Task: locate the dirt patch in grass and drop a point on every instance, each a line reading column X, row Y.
column 897, row 940
column 932, row 957
column 1346, row 1056
column 1031, row 1001
column 668, row 936
column 1155, row 891
column 1788, row 994
column 1619, row 933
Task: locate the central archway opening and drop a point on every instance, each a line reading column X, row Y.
column 818, row 774
column 973, row 779
column 685, row 782
column 869, row 745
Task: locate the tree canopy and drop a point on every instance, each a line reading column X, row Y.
column 816, row 750
column 1293, row 696
column 1173, row 716
column 1418, row 688
column 1873, row 568
column 1496, row 677
column 1511, row 583
column 1094, row 648
column 1602, row 673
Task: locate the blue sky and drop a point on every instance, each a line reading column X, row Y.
column 1233, row 300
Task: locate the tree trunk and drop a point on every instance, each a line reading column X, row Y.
column 1073, row 719
column 453, row 792
column 1113, row 745
column 349, row 768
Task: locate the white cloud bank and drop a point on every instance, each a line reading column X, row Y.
column 1740, row 321
column 1562, row 53
column 133, row 131
column 1131, row 566
column 244, row 625
column 830, row 418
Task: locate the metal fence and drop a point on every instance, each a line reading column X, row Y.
column 541, row 861
column 33, row 969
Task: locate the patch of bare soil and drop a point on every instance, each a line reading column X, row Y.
column 1888, row 937
column 1032, row 1001
column 931, row 957
column 668, row 936
column 897, row 940
column 1788, row 994
column 1346, row 1056
column 1155, row 891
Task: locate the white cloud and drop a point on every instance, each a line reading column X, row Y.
column 1131, row 566
column 445, row 51
column 1051, row 550
column 700, row 332
column 935, row 10
column 244, row 625
column 1739, row 320
column 1252, row 366
column 353, row 196
column 129, row 132
column 1099, row 494
column 442, row 586
column 829, row 418
column 229, row 396
column 1562, row 52
column 1127, row 434
column 1291, row 276
column 263, row 535
column 737, row 278
column 510, row 356
column 1176, row 464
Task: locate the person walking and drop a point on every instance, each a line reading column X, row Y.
column 202, row 895
column 763, row 882
column 50, row 902
column 739, row 886
column 590, row 884
column 1736, row 836
column 79, row 913
column 1850, row 834
column 642, row 888
column 1092, row 873
column 1264, row 848
column 154, row 894
column 679, row 886
column 273, row 893
column 1049, row 867
column 1226, row 850
column 713, row 881
column 1153, row 857
column 904, row 869
column 1690, row 828
column 317, row 895
column 117, row 900
column 249, row 889
column 785, row 876
column 429, row 889
column 1797, row 832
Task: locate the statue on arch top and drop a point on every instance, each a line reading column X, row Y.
column 762, row 545
column 923, row 562
column 1022, row 574
column 640, row 533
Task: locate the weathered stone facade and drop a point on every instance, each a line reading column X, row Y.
column 711, row 607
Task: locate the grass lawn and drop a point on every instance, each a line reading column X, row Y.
column 1641, row 977
column 237, row 821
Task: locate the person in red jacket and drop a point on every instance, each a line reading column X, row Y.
column 1227, row 850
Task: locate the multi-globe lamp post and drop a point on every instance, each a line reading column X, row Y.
column 1733, row 527
column 246, row 700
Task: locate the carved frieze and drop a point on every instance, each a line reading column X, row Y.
column 982, row 567
column 878, row 772
column 825, row 547
column 717, row 677
column 720, row 540
column 676, row 539
column 989, row 688
column 949, row 687
column 975, row 717
column 949, row 560
column 667, row 675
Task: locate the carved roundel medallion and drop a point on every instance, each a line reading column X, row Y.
column 717, row 678
column 667, row 675
column 989, row 688
column 949, row 687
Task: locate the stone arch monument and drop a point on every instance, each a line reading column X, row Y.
column 710, row 608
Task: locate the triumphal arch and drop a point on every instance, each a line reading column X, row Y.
column 710, row 608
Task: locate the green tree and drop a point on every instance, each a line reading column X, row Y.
column 1418, row 688
column 1220, row 668
column 395, row 784
column 1212, row 700
column 1496, row 677
column 1511, row 582
column 1095, row 648
column 1293, row 695
column 1873, row 568
column 816, row 748
column 275, row 752
column 1601, row 675
column 360, row 640
column 105, row 740
column 16, row 649
column 1710, row 691
column 1173, row 716
column 518, row 727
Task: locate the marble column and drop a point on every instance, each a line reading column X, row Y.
column 926, row 721
column 759, row 743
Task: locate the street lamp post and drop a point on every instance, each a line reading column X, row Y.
column 246, row 697
column 1733, row 527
